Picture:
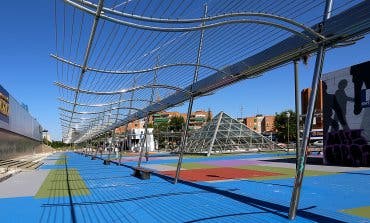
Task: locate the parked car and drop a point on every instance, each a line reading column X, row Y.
column 319, row 143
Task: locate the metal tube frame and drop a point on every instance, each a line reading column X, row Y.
column 308, row 122
column 203, row 20
column 215, row 134
column 97, row 15
column 123, row 72
column 147, row 120
column 104, row 104
column 190, row 107
column 129, row 113
column 297, row 103
column 122, row 90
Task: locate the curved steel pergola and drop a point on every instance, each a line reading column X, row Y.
column 160, row 58
column 218, row 20
column 197, row 20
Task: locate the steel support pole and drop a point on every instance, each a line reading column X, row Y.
column 142, row 138
column 191, row 100
column 297, row 103
column 288, row 132
column 86, row 56
column 106, row 141
column 129, row 113
column 107, row 161
column 116, row 119
column 215, row 134
column 96, row 149
column 147, row 117
column 120, row 151
column 308, row 122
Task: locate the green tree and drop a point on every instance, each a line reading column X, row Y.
column 58, row 144
column 281, row 125
column 176, row 123
column 162, row 126
column 209, row 115
column 159, row 129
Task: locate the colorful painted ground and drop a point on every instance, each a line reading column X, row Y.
column 234, row 188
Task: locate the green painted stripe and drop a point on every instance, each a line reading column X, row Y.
column 61, row 160
column 361, row 211
column 56, row 185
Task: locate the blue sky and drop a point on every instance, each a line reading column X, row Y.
column 28, row 72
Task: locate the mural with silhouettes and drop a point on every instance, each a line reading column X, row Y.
column 346, row 95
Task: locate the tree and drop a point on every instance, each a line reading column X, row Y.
column 176, row 123
column 209, row 115
column 58, row 144
column 159, row 129
column 281, row 125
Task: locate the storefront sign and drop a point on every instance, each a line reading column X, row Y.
column 4, row 105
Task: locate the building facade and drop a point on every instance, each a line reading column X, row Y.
column 347, row 116
column 261, row 124
column 197, row 118
column 318, row 121
column 20, row 133
column 138, row 124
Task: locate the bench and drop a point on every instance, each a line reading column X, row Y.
column 314, row 149
column 106, row 162
column 141, row 173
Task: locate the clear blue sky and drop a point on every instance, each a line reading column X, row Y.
column 28, row 72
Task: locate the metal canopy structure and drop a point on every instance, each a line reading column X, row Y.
column 225, row 134
column 102, row 46
column 147, row 56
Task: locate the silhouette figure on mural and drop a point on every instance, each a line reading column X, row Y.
column 360, row 76
column 342, row 98
column 331, row 104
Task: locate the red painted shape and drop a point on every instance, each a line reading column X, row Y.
column 213, row 174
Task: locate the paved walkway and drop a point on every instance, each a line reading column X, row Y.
column 74, row 188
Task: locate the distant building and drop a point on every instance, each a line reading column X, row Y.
column 318, row 113
column 46, row 135
column 164, row 117
column 138, row 124
column 197, row 118
column 268, row 124
column 261, row 124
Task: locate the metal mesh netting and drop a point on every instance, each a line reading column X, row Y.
column 118, row 61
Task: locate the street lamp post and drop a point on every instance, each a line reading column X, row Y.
column 288, row 116
column 45, row 136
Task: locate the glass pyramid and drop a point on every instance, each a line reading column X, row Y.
column 224, row 134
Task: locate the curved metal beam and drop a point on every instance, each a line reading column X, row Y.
column 135, row 71
column 206, row 19
column 196, row 28
column 96, row 15
column 89, row 118
column 99, row 112
column 141, row 87
column 106, row 104
column 65, row 120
